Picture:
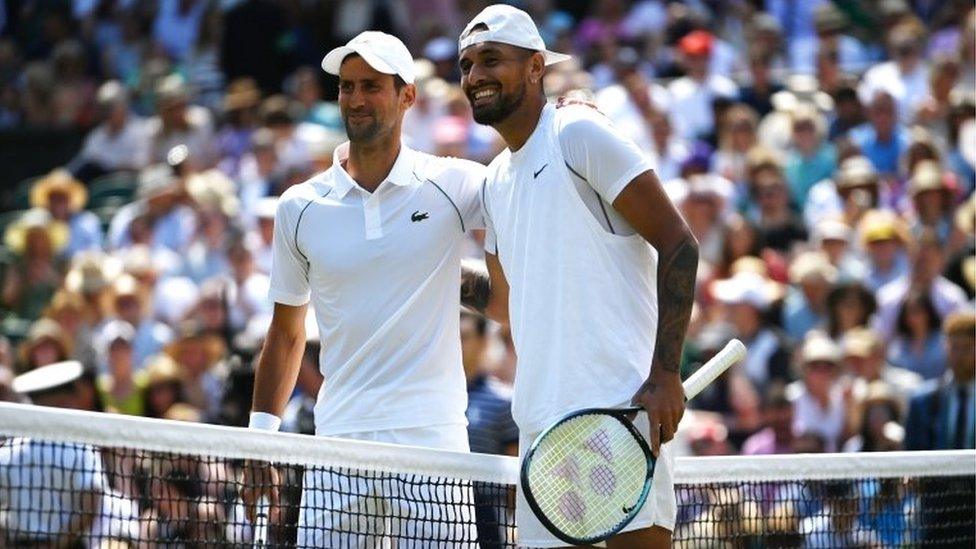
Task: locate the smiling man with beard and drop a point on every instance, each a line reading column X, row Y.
column 374, row 244
column 587, row 259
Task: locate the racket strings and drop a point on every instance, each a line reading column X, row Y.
column 587, row 474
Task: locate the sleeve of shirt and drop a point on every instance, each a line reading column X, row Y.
column 598, row 153
column 469, row 194
column 86, row 464
column 491, row 244
column 289, row 267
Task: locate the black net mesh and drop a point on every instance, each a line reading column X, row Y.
column 73, row 495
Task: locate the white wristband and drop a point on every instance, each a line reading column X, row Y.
column 264, row 421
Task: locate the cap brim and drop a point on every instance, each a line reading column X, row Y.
column 333, row 60
column 553, row 57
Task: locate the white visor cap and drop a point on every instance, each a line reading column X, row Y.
column 508, row 25
column 383, row 52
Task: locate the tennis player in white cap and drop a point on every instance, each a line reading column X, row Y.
column 374, row 245
column 588, row 260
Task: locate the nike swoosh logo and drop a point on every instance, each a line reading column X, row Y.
column 536, row 174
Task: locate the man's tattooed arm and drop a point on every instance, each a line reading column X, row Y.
column 675, row 296
column 475, row 287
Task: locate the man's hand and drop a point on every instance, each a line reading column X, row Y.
column 664, row 399
column 260, row 480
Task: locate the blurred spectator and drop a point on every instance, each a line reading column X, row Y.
column 932, row 200
column 736, row 136
column 927, row 264
column 180, row 123
column 74, row 95
column 904, row 78
column 758, row 93
column 811, row 158
column 748, row 296
column 882, row 139
column 163, row 385
column 260, row 238
column 693, row 94
column 884, row 239
column 865, row 359
column 820, row 405
column 776, row 437
column 853, row 190
column 127, row 300
column 197, row 353
column 833, row 238
column 849, row 306
column 733, row 398
column 918, row 344
column 233, row 141
column 805, row 306
column 120, row 142
column 247, row 286
column 177, row 26
column 160, row 215
column 491, row 429
column 779, row 226
column 632, row 100
column 46, row 343
column 36, row 240
column 202, row 63
column 64, row 197
column 877, row 421
column 120, row 389
column 940, row 416
column 60, row 509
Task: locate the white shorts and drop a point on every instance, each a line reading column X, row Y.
column 366, row 509
column 660, row 509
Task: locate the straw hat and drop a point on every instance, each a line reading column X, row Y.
column 242, row 93
column 42, row 330
column 861, row 342
column 91, row 272
column 59, row 180
column 212, row 189
column 817, row 347
column 928, row 176
column 856, row 171
column 161, row 368
column 747, row 288
column 36, row 219
column 878, row 225
column 812, row 264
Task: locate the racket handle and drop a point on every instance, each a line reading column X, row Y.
column 261, row 523
column 733, row 352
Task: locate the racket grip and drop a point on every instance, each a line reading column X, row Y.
column 733, row 352
column 261, row 522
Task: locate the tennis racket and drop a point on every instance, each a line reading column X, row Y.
column 587, row 475
column 261, row 523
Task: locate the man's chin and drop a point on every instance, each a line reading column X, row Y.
column 486, row 116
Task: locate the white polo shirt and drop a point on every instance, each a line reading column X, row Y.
column 382, row 271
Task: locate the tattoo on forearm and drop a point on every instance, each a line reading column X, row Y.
column 675, row 296
column 475, row 288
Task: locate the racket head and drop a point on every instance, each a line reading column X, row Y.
column 588, row 475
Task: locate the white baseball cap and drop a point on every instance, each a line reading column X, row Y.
column 508, row 25
column 383, row 52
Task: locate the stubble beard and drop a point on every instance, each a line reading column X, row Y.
column 502, row 108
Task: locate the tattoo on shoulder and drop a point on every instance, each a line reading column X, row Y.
column 475, row 288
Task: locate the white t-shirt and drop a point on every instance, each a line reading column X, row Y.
column 39, row 484
column 383, row 273
column 583, row 300
column 127, row 149
column 691, row 103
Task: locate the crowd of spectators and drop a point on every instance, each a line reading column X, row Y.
column 822, row 153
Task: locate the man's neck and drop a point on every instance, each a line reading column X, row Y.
column 518, row 126
column 369, row 163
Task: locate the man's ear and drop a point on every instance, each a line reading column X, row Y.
column 537, row 67
column 409, row 96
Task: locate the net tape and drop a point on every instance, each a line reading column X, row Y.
column 162, row 483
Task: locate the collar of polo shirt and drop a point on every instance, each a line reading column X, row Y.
column 401, row 174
